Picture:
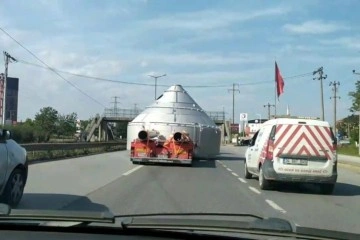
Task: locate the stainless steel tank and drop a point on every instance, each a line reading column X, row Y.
column 175, row 111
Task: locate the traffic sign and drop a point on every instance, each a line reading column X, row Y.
column 243, row 116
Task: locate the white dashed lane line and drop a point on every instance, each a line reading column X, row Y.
column 275, row 206
column 132, row 170
column 254, row 190
column 242, row 180
column 271, row 203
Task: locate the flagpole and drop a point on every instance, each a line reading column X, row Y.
column 275, row 92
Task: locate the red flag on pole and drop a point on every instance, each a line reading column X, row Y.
column 279, row 81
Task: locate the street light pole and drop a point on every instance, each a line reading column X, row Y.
column 155, row 78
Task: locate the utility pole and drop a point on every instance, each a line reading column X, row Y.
column 335, row 89
column 155, row 78
column 233, row 90
column 135, row 108
column 354, row 72
column 268, row 106
column 8, row 59
column 321, row 77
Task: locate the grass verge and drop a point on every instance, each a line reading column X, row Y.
column 63, row 154
column 350, row 150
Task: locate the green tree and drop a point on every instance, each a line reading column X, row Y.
column 66, row 124
column 121, row 129
column 85, row 123
column 46, row 121
column 28, row 122
column 355, row 107
column 355, row 98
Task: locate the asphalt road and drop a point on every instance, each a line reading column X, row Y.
column 110, row 182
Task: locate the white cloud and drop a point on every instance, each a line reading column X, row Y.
column 205, row 58
column 144, row 64
column 347, row 42
column 210, row 19
column 315, row 27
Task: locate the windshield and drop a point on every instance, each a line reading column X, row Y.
column 149, row 106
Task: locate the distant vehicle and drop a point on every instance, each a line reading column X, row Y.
column 293, row 150
column 151, row 147
column 244, row 142
column 344, row 142
column 173, row 113
column 13, row 169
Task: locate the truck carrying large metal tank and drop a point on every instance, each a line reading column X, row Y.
column 175, row 115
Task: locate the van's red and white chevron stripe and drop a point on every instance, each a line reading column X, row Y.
column 303, row 140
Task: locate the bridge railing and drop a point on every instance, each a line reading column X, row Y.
column 132, row 113
column 121, row 113
column 216, row 116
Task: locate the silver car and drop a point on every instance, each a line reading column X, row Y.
column 13, row 169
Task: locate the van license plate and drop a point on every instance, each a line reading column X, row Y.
column 295, row 161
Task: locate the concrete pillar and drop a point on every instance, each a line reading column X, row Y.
column 99, row 135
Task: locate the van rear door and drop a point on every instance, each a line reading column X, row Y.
column 304, row 149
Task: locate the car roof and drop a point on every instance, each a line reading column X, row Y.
column 296, row 121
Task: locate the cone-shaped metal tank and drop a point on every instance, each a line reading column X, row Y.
column 175, row 111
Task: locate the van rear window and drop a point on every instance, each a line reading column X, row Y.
column 272, row 133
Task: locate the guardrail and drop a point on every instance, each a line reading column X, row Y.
column 69, row 146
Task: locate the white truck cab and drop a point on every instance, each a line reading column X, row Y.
column 293, row 150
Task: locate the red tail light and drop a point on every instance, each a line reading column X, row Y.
column 269, row 150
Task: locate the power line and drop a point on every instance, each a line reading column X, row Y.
column 51, row 69
column 161, row 85
column 299, row 75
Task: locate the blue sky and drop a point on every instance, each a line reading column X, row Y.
column 193, row 42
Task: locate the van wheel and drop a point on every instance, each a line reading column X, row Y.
column 327, row 188
column 247, row 174
column 263, row 183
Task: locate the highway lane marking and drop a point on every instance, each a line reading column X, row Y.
column 234, row 174
column 229, row 169
column 224, row 166
column 242, row 180
column 275, row 206
column 132, row 170
column 254, row 190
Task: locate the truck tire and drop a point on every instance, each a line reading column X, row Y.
column 263, row 183
column 247, row 174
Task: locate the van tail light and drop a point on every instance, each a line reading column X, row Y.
column 334, row 152
column 270, row 150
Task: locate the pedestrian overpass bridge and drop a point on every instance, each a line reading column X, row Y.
column 101, row 123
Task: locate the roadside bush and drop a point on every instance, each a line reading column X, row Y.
column 354, row 136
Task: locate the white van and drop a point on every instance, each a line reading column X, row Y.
column 293, row 150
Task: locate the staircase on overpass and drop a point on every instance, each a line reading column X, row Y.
column 102, row 123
